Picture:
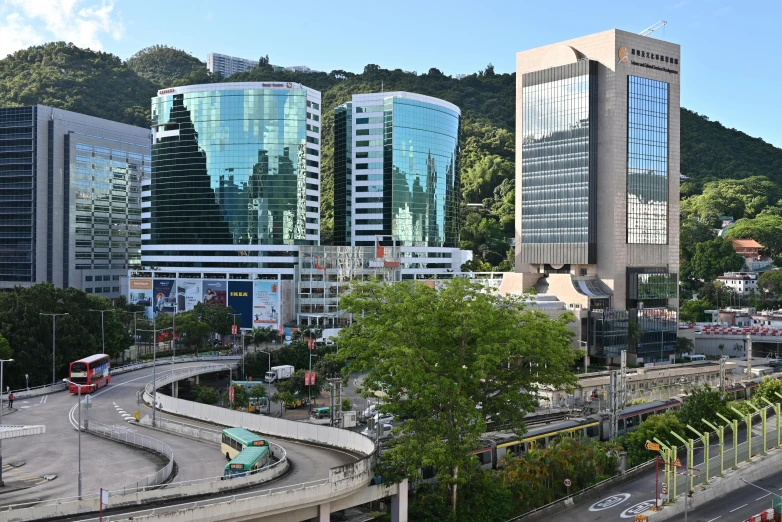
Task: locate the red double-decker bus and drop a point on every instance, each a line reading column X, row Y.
column 92, row 371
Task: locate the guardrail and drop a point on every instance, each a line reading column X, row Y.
column 122, row 434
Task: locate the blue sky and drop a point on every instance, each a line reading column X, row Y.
column 728, row 59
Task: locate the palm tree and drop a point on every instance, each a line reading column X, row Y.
column 259, row 336
column 737, row 349
column 721, row 348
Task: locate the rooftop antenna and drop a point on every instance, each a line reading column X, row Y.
column 653, row 28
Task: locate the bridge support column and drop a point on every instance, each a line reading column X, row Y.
column 176, row 389
column 324, row 512
column 399, row 504
column 196, row 379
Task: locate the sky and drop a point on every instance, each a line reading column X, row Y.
column 728, row 60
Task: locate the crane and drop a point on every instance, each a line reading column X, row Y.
column 653, row 28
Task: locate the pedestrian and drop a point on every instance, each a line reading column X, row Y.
column 11, row 401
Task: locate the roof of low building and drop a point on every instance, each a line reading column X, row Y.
column 746, row 243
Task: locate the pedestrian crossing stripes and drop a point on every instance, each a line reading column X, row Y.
column 125, row 415
column 13, row 473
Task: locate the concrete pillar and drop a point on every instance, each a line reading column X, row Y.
column 176, row 389
column 196, row 379
column 324, row 512
column 399, row 504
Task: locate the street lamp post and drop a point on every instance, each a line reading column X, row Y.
column 1, row 416
column 102, row 331
column 154, row 366
column 78, row 404
column 54, row 322
column 135, row 332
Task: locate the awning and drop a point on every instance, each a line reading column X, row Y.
column 591, row 288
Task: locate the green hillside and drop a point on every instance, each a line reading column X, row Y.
column 101, row 84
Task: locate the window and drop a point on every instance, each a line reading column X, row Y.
column 312, row 139
column 647, row 161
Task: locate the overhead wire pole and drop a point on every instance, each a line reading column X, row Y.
column 102, row 331
column 54, row 343
column 154, row 365
column 1, row 415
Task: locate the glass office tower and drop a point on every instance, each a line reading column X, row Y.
column 397, row 171
column 235, row 174
column 597, row 188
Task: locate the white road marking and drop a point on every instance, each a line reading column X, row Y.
column 732, row 510
column 713, row 519
column 764, row 496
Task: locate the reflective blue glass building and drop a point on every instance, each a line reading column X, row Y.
column 396, row 176
column 235, row 176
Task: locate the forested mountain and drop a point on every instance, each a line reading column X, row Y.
column 100, row 84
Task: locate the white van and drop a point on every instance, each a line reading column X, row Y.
column 693, row 357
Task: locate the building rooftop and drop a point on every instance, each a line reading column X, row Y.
column 746, row 243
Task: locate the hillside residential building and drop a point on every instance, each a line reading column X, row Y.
column 597, row 187
column 70, row 194
column 228, row 65
column 740, row 282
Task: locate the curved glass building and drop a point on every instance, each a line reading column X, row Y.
column 235, row 176
column 396, row 171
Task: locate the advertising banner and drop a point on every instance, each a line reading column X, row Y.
column 240, row 298
column 165, row 298
column 188, row 293
column 140, row 292
column 266, row 304
column 215, row 293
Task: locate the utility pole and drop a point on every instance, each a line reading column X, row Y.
column 623, row 381
column 102, row 332
column 1, row 414
column 749, row 356
column 722, row 377
column 135, row 332
column 54, row 323
column 612, row 402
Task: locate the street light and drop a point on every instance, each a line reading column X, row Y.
column 154, row 366
column 234, row 335
column 1, row 416
column 135, row 333
column 102, row 334
column 78, row 404
column 54, row 322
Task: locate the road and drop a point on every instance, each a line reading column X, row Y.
column 111, row 465
column 616, row 504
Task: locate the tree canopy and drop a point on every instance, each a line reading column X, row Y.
column 714, row 258
column 451, row 360
column 167, row 67
column 78, row 334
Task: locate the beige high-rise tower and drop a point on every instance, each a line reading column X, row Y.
column 597, row 187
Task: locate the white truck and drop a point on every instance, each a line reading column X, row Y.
column 278, row 373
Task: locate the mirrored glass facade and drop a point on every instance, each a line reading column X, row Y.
column 235, row 167
column 647, row 161
column 559, row 164
column 396, row 165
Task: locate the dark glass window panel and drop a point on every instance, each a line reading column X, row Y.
column 647, row 161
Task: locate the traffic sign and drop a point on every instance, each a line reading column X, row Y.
column 568, row 483
column 664, row 488
column 652, row 446
column 677, row 462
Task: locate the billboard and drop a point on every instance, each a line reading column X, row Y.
column 165, row 298
column 140, row 292
column 266, row 304
column 215, row 293
column 240, row 298
column 188, row 293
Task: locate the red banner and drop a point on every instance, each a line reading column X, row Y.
column 234, row 329
column 311, row 344
column 230, row 394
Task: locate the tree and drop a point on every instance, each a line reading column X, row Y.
column 450, row 359
column 702, row 403
column 714, row 258
column 263, row 61
column 165, row 66
column 257, row 391
column 260, row 336
column 691, row 233
column 694, row 311
column 766, row 389
column 219, row 318
column 684, row 345
column 295, row 385
column 771, row 282
column 721, row 348
column 205, row 395
column 192, row 332
column 5, row 349
column 659, row 426
column 738, row 348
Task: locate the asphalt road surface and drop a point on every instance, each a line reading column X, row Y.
column 111, row 465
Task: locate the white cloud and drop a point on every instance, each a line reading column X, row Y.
column 79, row 21
column 15, row 34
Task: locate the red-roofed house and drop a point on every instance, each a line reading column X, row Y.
column 747, row 248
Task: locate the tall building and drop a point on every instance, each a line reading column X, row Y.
column 597, row 187
column 228, row 65
column 70, row 194
column 396, row 178
column 234, row 192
